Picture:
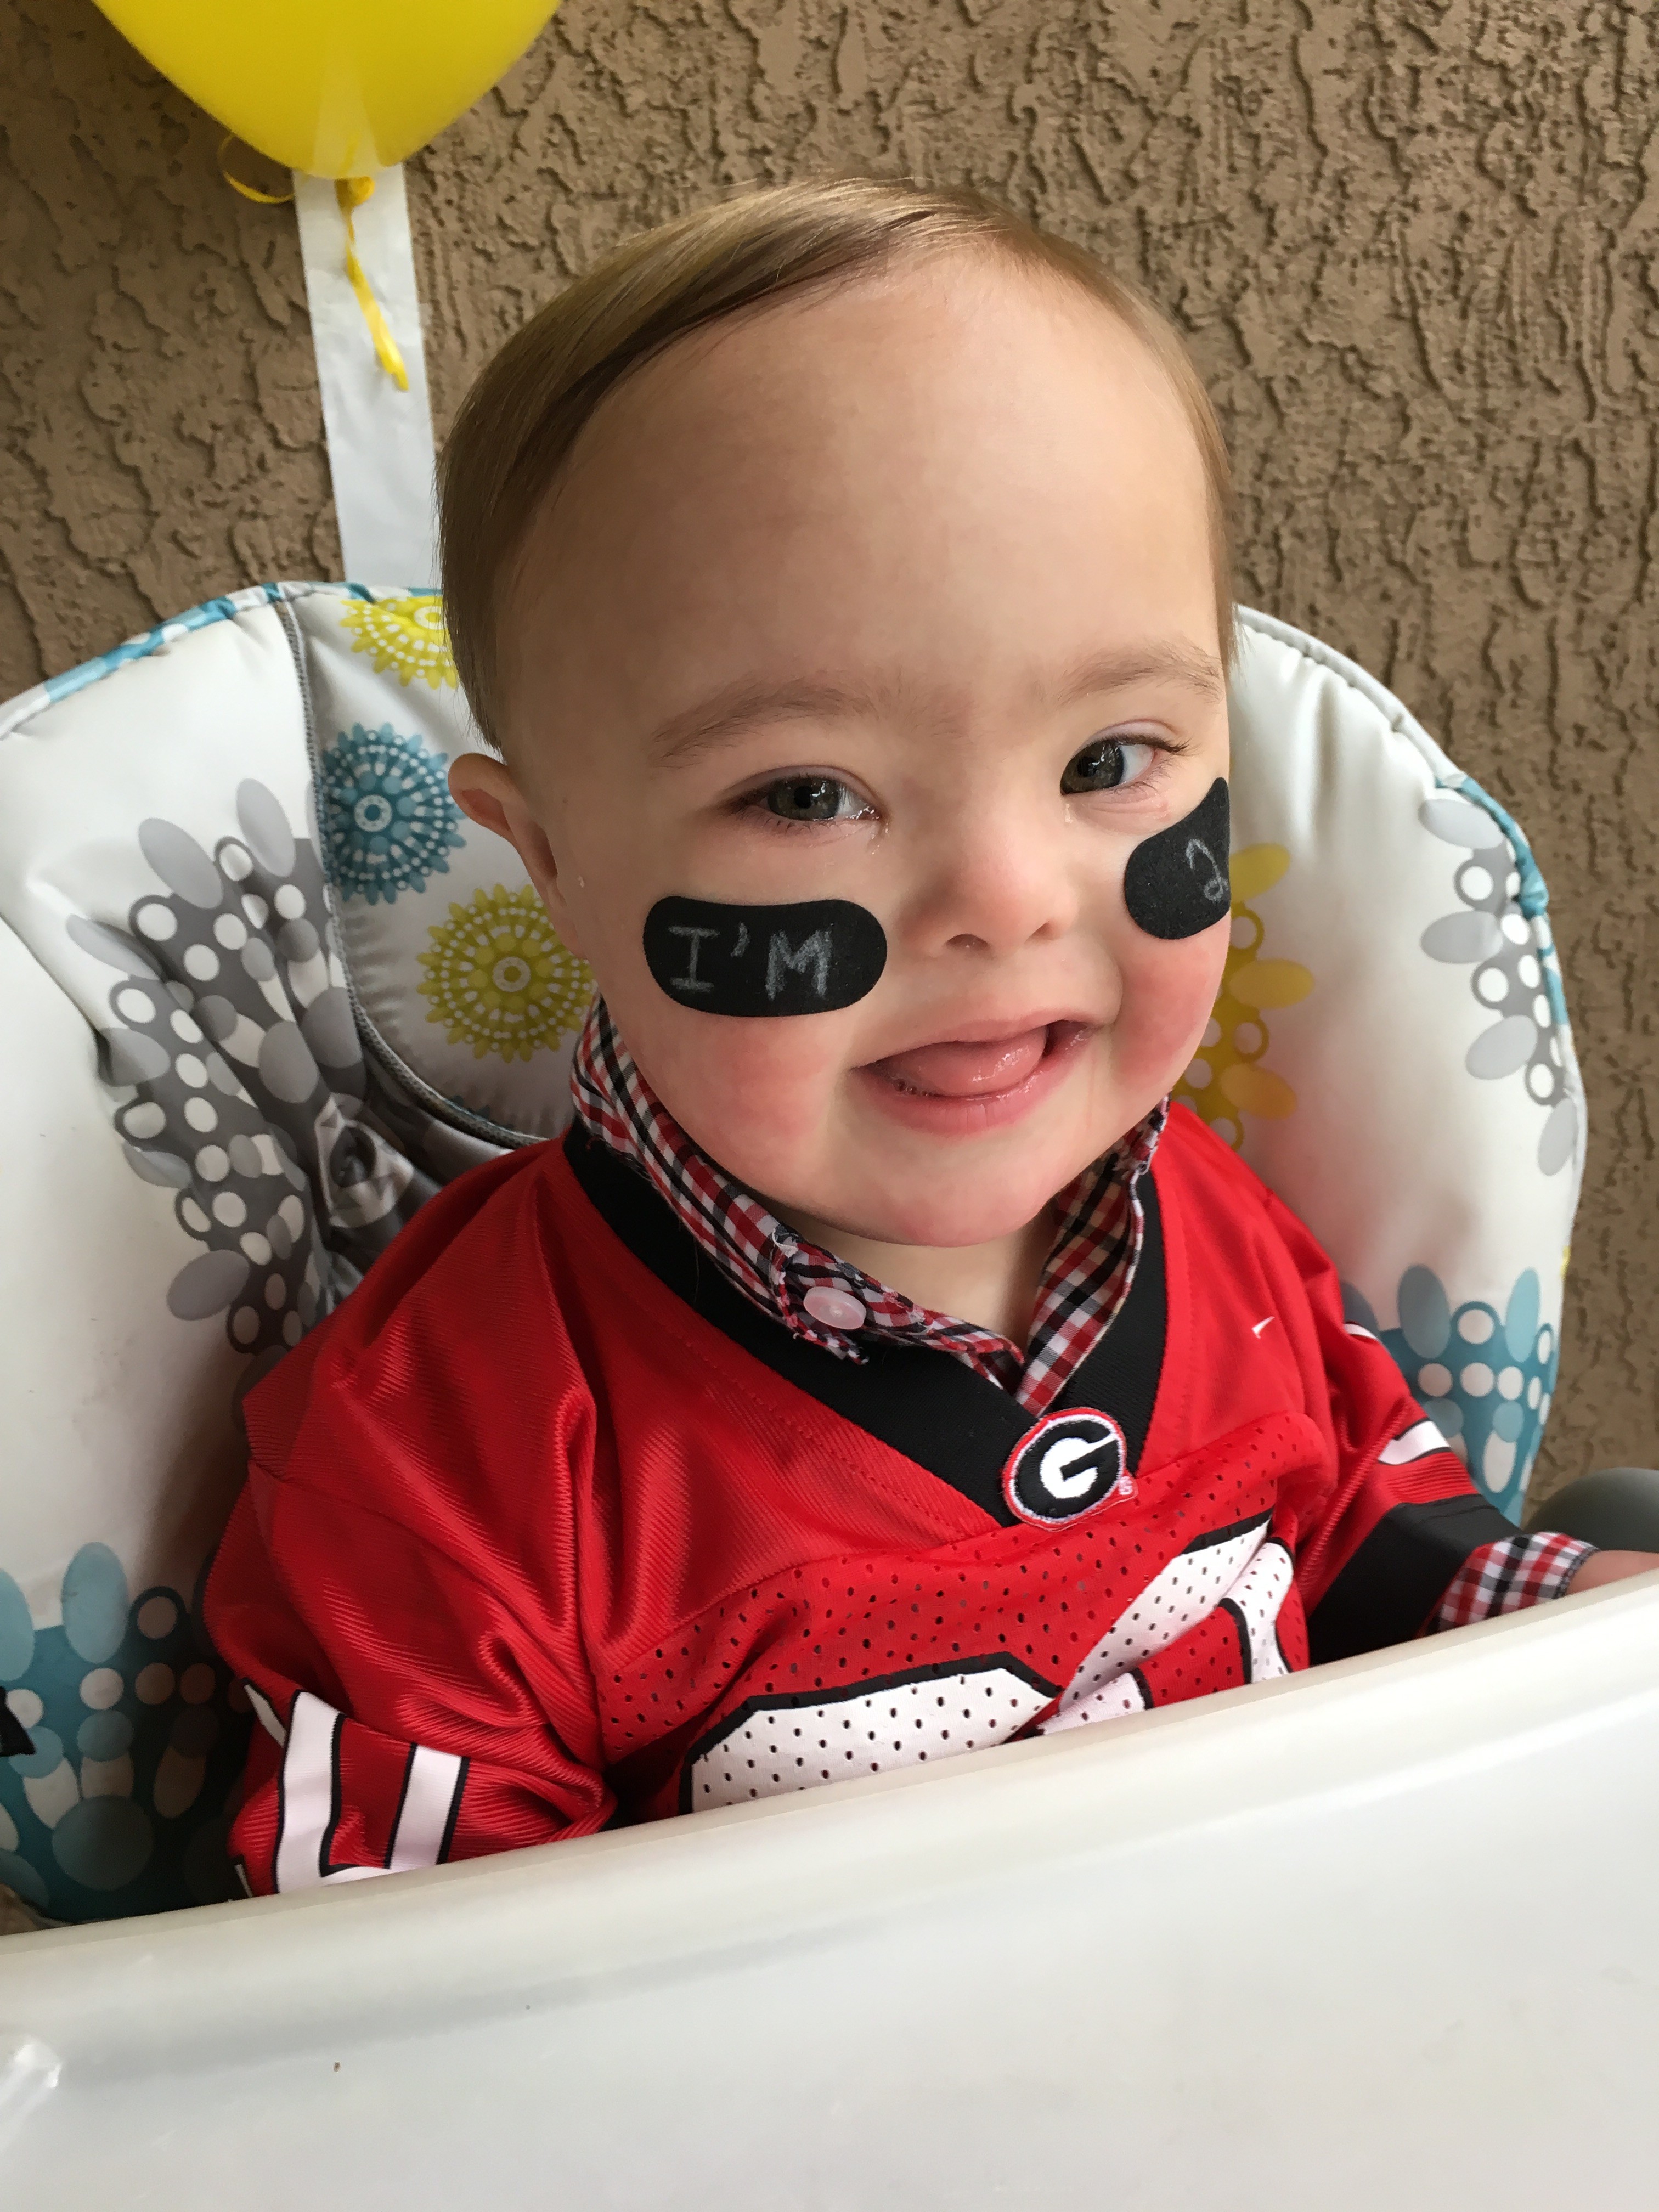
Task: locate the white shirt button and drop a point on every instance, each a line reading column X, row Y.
column 835, row 1308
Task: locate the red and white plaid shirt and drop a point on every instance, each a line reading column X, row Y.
column 1091, row 1267
column 1084, row 1286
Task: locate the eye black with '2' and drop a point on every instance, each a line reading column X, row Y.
column 1177, row 882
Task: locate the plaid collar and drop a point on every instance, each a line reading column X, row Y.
column 834, row 1305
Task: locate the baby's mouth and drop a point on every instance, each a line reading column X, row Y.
column 985, row 1068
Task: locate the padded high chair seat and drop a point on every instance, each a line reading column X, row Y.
column 265, row 989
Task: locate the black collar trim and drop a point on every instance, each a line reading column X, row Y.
column 958, row 1425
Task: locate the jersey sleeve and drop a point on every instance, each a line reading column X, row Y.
column 405, row 1717
column 1378, row 1552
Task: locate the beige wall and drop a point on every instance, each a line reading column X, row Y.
column 1415, row 244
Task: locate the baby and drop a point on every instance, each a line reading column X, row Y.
column 881, row 1368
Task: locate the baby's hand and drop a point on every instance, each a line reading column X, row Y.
column 1612, row 1567
column 17, row 1918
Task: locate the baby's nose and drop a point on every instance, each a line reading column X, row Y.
column 996, row 882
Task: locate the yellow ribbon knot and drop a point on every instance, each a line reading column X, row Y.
column 351, row 192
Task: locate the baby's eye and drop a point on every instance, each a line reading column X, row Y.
column 811, row 798
column 1106, row 762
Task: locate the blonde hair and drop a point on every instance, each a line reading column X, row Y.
column 518, row 423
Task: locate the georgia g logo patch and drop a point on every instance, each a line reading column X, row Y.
column 1068, row 1464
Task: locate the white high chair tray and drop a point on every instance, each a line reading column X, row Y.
column 1382, row 1935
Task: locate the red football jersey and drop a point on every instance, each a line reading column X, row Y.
column 549, row 1528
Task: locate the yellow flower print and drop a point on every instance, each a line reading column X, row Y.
column 408, row 635
column 1227, row 1078
column 501, row 979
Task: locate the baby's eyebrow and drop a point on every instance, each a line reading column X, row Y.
column 1172, row 659
column 748, row 705
column 743, row 707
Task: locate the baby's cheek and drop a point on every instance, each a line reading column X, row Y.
column 753, row 1094
column 1168, row 988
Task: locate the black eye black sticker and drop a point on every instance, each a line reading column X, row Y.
column 809, row 959
column 1177, row 883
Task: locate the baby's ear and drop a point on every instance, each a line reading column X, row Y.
column 483, row 787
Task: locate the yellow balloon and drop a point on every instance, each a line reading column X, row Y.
column 333, row 86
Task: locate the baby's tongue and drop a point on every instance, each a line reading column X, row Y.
column 959, row 1070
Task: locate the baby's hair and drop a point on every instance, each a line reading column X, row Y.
column 518, row 423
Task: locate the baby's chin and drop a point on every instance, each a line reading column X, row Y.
column 936, row 1222
column 836, row 1153
column 945, row 1202
column 905, row 1187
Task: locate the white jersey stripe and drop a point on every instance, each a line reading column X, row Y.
column 434, row 1783
column 265, row 1712
column 1260, row 1593
column 310, row 1786
column 308, row 1798
column 1417, row 1443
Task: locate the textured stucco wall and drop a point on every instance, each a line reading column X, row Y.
column 1415, row 243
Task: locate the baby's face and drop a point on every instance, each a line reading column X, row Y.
column 902, row 596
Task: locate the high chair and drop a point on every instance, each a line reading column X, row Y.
column 265, row 990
